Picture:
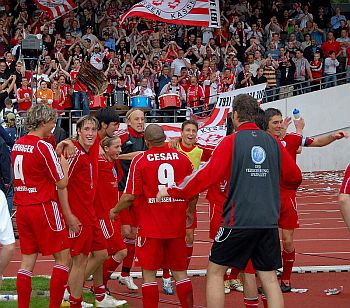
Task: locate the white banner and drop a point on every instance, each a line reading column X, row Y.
column 214, row 129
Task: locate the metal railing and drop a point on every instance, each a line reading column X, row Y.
column 69, row 117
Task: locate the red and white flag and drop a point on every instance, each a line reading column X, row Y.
column 56, row 8
column 201, row 13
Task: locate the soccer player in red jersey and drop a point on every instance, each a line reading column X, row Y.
column 37, row 173
column 256, row 164
column 78, row 199
column 289, row 216
column 196, row 155
column 105, row 199
column 162, row 225
column 132, row 143
column 344, row 197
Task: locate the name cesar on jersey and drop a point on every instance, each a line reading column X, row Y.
column 162, row 156
column 23, row 148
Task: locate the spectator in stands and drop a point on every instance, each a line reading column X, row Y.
column 302, row 70
column 316, row 66
column 331, row 44
column 330, row 69
column 335, row 20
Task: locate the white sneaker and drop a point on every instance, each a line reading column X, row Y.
column 129, row 282
column 227, row 286
column 167, row 286
column 236, row 285
column 110, row 301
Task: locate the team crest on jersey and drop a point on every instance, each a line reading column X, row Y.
column 258, row 155
column 284, row 143
column 169, row 9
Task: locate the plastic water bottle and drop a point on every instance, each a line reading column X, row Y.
column 8, row 297
column 296, row 114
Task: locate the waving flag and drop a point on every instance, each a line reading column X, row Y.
column 56, row 8
column 202, row 13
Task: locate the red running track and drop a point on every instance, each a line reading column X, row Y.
column 322, row 239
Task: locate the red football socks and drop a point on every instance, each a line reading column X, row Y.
column 264, row 300
column 166, row 273
column 109, row 266
column 24, row 287
column 185, row 292
column 288, row 259
column 234, row 273
column 189, row 251
column 251, row 302
column 75, row 302
column 59, row 278
column 150, row 295
column 100, row 292
column 129, row 259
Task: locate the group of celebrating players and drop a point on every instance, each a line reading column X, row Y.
column 96, row 200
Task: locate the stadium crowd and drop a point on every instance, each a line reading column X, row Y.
column 288, row 46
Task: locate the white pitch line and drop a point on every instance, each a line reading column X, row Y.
column 328, row 218
column 322, row 239
column 310, row 203
column 327, row 211
column 336, row 228
column 326, row 253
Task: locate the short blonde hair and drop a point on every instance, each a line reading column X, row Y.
column 37, row 115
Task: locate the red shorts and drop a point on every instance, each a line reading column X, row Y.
column 128, row 216
column 154, row 253
column 289, row 213
column 81, row 242
column 215, row 221
column 99, row 242
column 194, row 224
column 41, row 228
column 113, row 236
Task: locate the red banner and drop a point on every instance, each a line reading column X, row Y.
column 201, row 13
column 56, row 8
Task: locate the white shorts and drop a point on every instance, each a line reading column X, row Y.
column 6, row 230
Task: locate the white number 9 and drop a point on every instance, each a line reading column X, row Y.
column 166, row 176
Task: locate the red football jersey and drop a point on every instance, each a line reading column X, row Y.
column 149, row 171
column 345, row 186
column 24, row 93
column 36, row 169
column 81, row 190
column 293, row 141
column 107, row 188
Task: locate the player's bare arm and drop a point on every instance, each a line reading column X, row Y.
column 129, row 156
column 67, row 148
column 125, row 201
column 325, row 140
column 71, row 220
column 163, row 192
column 190, row 211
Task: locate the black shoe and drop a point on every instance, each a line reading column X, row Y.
column 260, row 290
column 285, row 288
